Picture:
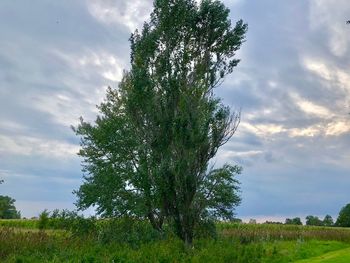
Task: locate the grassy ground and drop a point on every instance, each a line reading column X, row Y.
column 235, row 243
column 339, row 256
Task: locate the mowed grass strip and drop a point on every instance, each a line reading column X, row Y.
column 339, row 256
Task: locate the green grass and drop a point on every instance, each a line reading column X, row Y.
column 290, row 251
column 19, row 223
column 22, row 246
column 339, row 256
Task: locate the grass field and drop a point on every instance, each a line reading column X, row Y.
column 21, row 241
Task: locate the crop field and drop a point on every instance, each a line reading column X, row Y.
column 22, row 241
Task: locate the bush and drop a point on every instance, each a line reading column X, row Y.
column 127, row 230
column 43, row 220
column 62, row 219
column 81, row 226
column 205, row 229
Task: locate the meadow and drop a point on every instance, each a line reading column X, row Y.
column 132, row 241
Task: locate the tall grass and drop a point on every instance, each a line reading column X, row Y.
column 127, row 240
column 271, row 232
column 19, row 223
column 39, row 246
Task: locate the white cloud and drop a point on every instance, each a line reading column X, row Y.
column 332, row 127
column 262, row 130
column 318, row 67
column 337, row 128
column 25, row 145
column 311, row 131
column 101, row 62
column 128, row 13
column 310, row 107
column 81, row 91
column 12, row 125
column 326, row 15
column 336, row 77
column 232, row 154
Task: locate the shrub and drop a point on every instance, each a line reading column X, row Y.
column 128, row 230
column 81, row 226
column 43, row 219
column 205, row 229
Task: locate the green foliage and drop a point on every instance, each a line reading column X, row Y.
column 313, row 221
column 147, row 154
column 63, row 219
column 328, row 221
column 206, row 229
column 343, row 219
column 43, row 220
column 294, row 221
column 128, row 231
column 8, row 209
column 18, row 245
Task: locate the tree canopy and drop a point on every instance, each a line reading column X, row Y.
column 148, row 152
column 293, row 221
column 343, row 219
column 328, row 221
column 313, row 221
column 8, row 209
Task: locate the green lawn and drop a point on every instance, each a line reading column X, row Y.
column 339, row 256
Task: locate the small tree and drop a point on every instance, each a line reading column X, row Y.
column 313, row 221
column 252, row 221
column 294, row 221
column 147, row 154
column 43, row 219
column 328, row 221
column 8, row 209
column 343, row 219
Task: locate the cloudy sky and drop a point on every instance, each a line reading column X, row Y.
column 293, row 85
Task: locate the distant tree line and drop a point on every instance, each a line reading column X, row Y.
column 293, row 221
column 343, row 219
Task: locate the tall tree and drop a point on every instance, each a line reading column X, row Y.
column 343, row 219
column 328, row 221
column 148, row 152
column 313, row 221
column 293, row 221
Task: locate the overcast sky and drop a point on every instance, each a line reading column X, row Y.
column 293, row 85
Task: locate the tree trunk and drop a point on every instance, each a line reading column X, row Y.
column 156, row 224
